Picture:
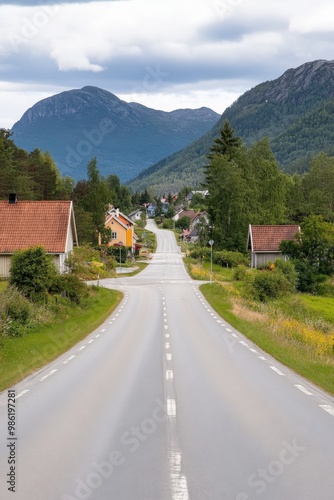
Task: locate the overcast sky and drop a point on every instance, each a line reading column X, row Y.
column 165, row 54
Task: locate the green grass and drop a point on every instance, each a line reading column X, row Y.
column 141, row 266
column 219, row 273
column 321, row 307
column 291, row 354
column 20, row 356
column 150, row 238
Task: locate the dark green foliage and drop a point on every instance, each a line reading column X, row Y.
column 183, row 222
column 240, row 273
column 269, row 284
column 168, row 224
column 309, row 279
column 32, row 176
column 229, row 259
column 31, row 272
column 15, row 312
column 227, row 144
column 69, row 285
column 295, row 112
column 312, row 253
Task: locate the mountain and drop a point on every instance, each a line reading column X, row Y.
column 76, row 125
column 296, row 111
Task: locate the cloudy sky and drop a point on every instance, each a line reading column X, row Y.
column 165, row 54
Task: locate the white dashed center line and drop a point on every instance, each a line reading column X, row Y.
column 276, row 370
column 48, row 375
column 304, row 390
column 328, row 408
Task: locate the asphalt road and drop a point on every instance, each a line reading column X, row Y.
column 166, row 401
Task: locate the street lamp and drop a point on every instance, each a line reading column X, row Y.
column 211, row 242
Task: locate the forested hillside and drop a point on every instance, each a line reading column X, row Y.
column 34, row 176
column 295, row 112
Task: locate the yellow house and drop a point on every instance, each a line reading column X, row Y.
column 121, row 228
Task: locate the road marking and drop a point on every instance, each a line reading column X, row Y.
column 262, row 358
column 169, row 357
column 179, row 484
column 97, row 336
column 103, row 330
column 228, row 330
column 167, row 345
column 48, row 375
column 328, row 408
column 242, row 342
column 169, row 374
column 69, row 359
column 166, row 327
column 165, row 320
column 171, row 407
column 253, row 350
column 235, row 335
column 81, row 348
column 90, row 341
column 276, row 370
column 304, row 390
column 22, row 393
column 167, row 335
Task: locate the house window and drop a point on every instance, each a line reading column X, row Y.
column 113, row 235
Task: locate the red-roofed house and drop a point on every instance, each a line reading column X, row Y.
column 25, row 224
column 264, row 241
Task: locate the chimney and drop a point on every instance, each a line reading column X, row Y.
column 12, row 198
column 117, row 212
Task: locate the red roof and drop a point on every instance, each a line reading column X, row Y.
column 268, row 238
column 34, row 223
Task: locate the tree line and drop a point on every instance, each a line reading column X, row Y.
column 246, row 186
column 35, row 176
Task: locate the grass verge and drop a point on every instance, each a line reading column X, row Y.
column 21, row 356
column 295, row 355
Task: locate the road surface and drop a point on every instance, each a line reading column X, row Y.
column 166, row 401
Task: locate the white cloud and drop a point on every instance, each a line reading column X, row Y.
column 186, row 52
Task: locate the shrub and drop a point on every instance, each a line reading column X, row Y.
column 229, row 259
column 31, row 272
column 168, row 224
column 198, row 252
column 183, row 222
column 240, row 273
column 269, row 284
column 15, row 311
column 69, row 286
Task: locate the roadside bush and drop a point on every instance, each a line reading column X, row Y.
column 226, row 258
column 198, row 252
column 15, row 311
column 309, row 279
column 287, row 268
column 70, row 286
column 183, row 222
column 269, row 285
column 31, row 272
column 168, row 224
column 240, row 273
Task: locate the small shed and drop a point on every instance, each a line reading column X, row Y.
column 264, row 241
